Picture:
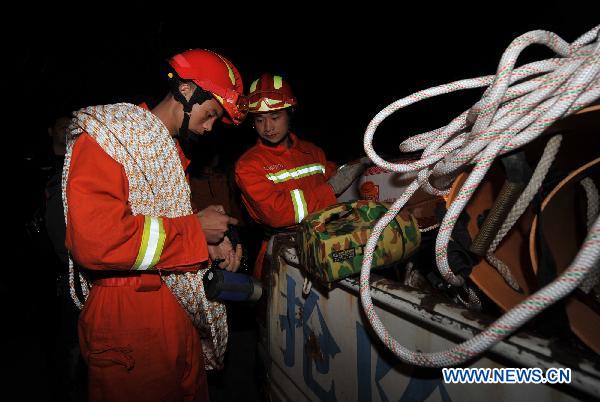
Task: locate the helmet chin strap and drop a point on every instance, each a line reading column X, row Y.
column 185, row 138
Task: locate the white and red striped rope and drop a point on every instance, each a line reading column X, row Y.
column 518, row 105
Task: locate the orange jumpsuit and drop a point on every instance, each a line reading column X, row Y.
column 281, row 185
column 137, row 340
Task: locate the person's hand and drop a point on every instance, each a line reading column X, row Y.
column 346, row 174
column 218, row 208
column 214, row 223
column 224, row 251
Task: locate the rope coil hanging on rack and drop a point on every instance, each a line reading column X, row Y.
column 518, row 105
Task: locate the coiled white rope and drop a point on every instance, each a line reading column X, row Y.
column 593, row 209
column 593, row 196
column 532, row 188
column 506, row 118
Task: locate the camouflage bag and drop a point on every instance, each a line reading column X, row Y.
column 331, row 241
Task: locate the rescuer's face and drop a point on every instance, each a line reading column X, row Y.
column 204, row 116
column 272, row 126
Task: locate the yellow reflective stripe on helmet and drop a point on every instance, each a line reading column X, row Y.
column 264, row 107
column 230, row 70
column 296, row 173
column 219, row 99
column 300, row 208
column 151, row 247
column 277, row 82
column 253, row 86
column 270, row 102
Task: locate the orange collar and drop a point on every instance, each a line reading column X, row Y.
column 281, row 149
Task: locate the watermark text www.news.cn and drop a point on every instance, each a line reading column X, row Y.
column 506, row 376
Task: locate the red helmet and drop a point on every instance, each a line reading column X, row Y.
column 215, row 74
column 268, row 93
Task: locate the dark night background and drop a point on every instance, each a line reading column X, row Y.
column 343, row 66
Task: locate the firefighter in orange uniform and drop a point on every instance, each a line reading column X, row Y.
column 282, row 178
column 139, row 343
